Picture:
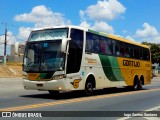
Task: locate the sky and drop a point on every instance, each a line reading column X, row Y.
column 136, row 20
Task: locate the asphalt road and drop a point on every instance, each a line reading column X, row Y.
column 109, row 103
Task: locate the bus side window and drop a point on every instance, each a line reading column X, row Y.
column 106, row 45
column 126, row 51
column 89, row 42
column 114, row 47
column 109, row 46
column 146, row 55
column 141, row 54
column 136, row 53
column 96, row 45
column 103, row 45
column 117, row 48
column 130, row 50
column 121, row 49
column 92, row 43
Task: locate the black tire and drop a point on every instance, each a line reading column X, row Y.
column 140, row 85
column 137, row 85
column 89, row 88
column 53, row 93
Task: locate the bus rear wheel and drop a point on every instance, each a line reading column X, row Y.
column 140, row 85
column 89, row 88
column 137, row 85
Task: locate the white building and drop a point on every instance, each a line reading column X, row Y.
column 16, row 53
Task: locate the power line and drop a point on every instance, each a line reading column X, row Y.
column 11, row 25
column 15, row 26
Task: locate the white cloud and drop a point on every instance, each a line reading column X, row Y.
column 42, row 17
column 11, row 39
column 85, row 24
column 103, row 10
column 128, row 37
column 24, row 33
column 1, row 39
column 2, row 45
column 102, row 27
column 99, row 14
column 1, row 50
column 148, row 33
column 98, row 26
column 82, row 14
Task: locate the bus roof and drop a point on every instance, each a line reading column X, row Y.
column 67, row 26
column 99, row 33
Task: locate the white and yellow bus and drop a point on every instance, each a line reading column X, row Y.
column 70, row 58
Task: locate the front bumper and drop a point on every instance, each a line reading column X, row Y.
column 58, row 85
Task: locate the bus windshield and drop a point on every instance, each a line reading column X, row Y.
column 50, row 34
column 43, row 56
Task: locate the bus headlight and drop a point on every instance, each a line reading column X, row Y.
column 57, row 77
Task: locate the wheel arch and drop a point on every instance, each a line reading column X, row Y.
column 90, row 77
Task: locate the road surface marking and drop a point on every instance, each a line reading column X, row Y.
column 32, row 106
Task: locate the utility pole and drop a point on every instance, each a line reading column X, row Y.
column 5, row 44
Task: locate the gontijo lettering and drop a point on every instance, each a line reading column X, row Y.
column 131, row 63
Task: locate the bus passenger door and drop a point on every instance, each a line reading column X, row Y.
column 75, row 54
column 75, row 51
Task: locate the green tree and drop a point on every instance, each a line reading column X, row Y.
column 155, row 51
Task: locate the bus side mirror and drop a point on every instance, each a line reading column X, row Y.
column 64, row 44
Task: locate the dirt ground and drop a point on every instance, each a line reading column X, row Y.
column 10, row 71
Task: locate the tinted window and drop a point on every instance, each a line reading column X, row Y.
column 136, row 53
column 146, row 55
column 75, row 51
column 89, row 42
column 92, row 43
column 104, row 45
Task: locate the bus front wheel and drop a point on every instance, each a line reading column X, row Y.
column 89, row 88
